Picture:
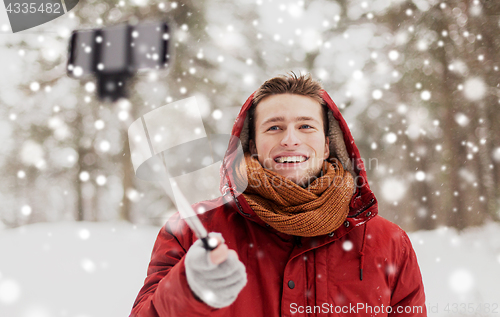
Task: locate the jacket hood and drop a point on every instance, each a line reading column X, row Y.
column 342, row 147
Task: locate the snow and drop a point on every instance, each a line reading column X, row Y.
column 391, row 137
column 460, row 268
column 101, row 180
column 420, row 176
column 99, row 124
column 31, row 153
column 462, row 119
column 90, row 87
column 84, row 176
column 377, row 94
column 34, row 86
column 97, row 269
column 393, row 55
column 496, row 154
column 104, row 145
column 78, row 71
column 393, row 189
column 425, row 95
column 9, row 291
column 26, row 210
column 461, row 281
column 133, row 195
column 73, row 269
column 347, row 245
column 475, row 89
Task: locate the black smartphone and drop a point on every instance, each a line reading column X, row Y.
column 119, row 49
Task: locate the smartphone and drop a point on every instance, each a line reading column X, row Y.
column 120, row 49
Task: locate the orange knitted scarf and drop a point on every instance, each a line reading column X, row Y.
column 315, row 210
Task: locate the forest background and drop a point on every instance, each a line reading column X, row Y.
column 417, row 81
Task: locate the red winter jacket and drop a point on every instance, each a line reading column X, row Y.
column 366, row 267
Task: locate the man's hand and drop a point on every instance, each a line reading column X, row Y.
column 216, row 277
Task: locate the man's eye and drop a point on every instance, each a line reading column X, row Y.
column 273, row 128
column 305, row 126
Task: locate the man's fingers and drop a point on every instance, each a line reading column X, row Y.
column 234, row 252
column 219, row 254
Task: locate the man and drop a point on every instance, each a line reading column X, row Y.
column 303, row 238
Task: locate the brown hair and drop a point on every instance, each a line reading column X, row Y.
column 288, row 84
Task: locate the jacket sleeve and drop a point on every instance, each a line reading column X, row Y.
column 408, row 298
column 166, row 291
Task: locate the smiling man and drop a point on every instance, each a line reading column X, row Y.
column 288, row 136
column 299, row 224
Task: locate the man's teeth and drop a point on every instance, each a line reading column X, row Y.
column 290, row 159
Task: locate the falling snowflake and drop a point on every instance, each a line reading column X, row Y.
column 34, row 86
column 377, row 94
column 393, row 189
column 84, row 234
column 123, row 115
column 101, row 180
column 496, row 154
column 99, row 124
column 425, row 95
column 393, row 55
column 84, row 176
column 217, row 114
column 462, row 119
column 420, row 176
column 78, row 71
column 133, row 195
column 391, row 137
column 461, row 281
column 104, row 145
column 347, row 245
column 31, row 153
column 10, row 291
column 88, row 265
column 26, row 210
column 90, row 87
column 474, row 89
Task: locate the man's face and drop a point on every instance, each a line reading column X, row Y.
column 289, row 136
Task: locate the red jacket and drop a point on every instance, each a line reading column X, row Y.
column 366, row 267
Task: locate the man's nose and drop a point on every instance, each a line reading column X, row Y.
column 290, row 138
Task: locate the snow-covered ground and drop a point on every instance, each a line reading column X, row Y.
column 96, row 269
column 73, row 269
column 461, row 272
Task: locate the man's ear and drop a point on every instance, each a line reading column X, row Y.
column 327, row 148
column 252, row 147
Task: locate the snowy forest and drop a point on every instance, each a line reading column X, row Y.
column 417, row 81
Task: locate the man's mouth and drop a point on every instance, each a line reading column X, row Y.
column 291, row 159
